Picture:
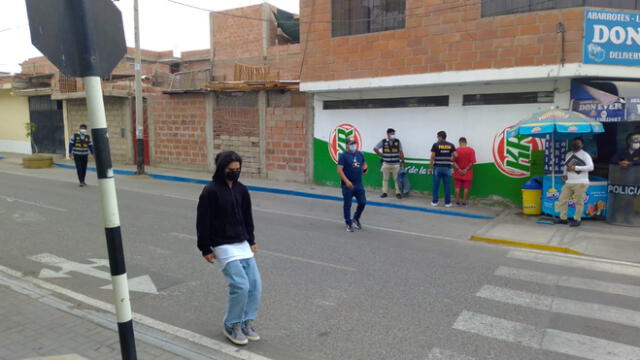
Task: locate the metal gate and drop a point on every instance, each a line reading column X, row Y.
column 46, row 114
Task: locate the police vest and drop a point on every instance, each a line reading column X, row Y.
column 391, row 151
column 80, row 145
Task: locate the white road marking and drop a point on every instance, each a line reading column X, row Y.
column 568, row 281
column 583, row 346
column 140, row 284
column 347, row 268
column 12, row 199
column 367, row 226
column 593, row 264
column 439, row 354
column 142, row 319
column 562, row 306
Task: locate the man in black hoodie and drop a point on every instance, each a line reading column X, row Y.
column 225, row 234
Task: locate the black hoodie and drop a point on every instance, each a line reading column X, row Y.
column 224, row 213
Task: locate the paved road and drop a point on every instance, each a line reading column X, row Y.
column 409, row 288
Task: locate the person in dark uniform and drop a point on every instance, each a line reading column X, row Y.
column 390, row 151
column 351, row 167
column 80, row 146
column 630, row 156
column 440, row 161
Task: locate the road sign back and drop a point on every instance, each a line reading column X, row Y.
column 80, row 37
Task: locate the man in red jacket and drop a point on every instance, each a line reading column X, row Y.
column 463, row 160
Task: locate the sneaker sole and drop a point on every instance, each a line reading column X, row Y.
column 256, row 338
column 237, row 342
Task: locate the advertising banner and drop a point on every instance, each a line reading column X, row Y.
column 599, row 112
column 611, row 38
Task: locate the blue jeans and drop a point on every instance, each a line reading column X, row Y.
column 347, row 195
column 442, row 174
column 245, row 289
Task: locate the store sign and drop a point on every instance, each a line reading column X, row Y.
column 611, row 38
column 338, row 140
column 632, row 109
column 512, row 156
column 599, row 112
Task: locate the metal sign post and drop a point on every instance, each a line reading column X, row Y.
column 85, row 38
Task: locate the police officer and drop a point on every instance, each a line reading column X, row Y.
column 390, row 151
column 630, row 156
column 80, row 146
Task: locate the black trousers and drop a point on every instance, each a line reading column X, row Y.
column 81, row 166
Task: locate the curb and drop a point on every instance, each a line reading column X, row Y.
column 292, row 193
column 549, row 248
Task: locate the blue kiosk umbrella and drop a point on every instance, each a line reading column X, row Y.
column 560, row 124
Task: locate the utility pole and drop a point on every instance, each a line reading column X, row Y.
column 85, row 38
column 138, row 94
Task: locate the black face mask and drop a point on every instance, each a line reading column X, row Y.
column 233, row 175
column 576, row 147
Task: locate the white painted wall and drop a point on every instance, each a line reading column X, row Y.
column 15, row 146
column 417, row 127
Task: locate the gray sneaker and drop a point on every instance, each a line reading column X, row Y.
column 356, row 224
column 249, row 331
column 235, row 334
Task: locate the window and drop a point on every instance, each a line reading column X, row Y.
column 353, row 17
column 508, row 98
column 504, row 7
column 425, row 101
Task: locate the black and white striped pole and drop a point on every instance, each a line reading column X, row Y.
column 85, row 38
column 110, row 215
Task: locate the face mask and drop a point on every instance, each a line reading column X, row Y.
column 392, row 137
column 635, row 146
column 576, row 147
column 352, row 148
column 83, row 131
column 233, row 175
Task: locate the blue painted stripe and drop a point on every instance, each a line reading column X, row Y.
column 115, row 171
column 298, row 194
column 1, row 157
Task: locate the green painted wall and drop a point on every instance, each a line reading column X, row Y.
column 487, row 179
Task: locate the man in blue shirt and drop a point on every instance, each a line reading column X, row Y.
column 351, row 167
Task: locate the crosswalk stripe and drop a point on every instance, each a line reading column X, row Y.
column 546, row 339
column 562, row 306
column 568, row 281
column 575, row 262
column 439, row 354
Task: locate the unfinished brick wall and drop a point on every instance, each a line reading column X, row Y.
column 286, row 149
column 236, row 127
column 117, row 111
column 439, row 35
column 240, row 40
column 178, row 128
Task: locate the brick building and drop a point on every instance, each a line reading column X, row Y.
column 250, row 103
column 471, row 68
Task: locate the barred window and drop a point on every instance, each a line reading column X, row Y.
column 508, row 98
column 353, row 17
column 422, row 101
column 505, row 7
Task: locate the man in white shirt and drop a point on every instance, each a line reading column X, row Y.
column 576, row 181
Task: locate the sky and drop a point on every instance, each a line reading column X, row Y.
column 163, row 26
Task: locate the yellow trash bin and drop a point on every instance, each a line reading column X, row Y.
column 531, row 197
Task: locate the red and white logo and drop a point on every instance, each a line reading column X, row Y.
column 338, row 140
column 512, row 156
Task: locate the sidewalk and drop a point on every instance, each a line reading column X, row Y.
column 479, row 209
column 593, row 237
column 35, row 326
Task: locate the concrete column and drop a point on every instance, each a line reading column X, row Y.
column 262, row 120
column 211, row 103
column 65, row 124
column 309, row 129
column 562, row 93
column 212, row 48
column 266, row 36
column 150, row 123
